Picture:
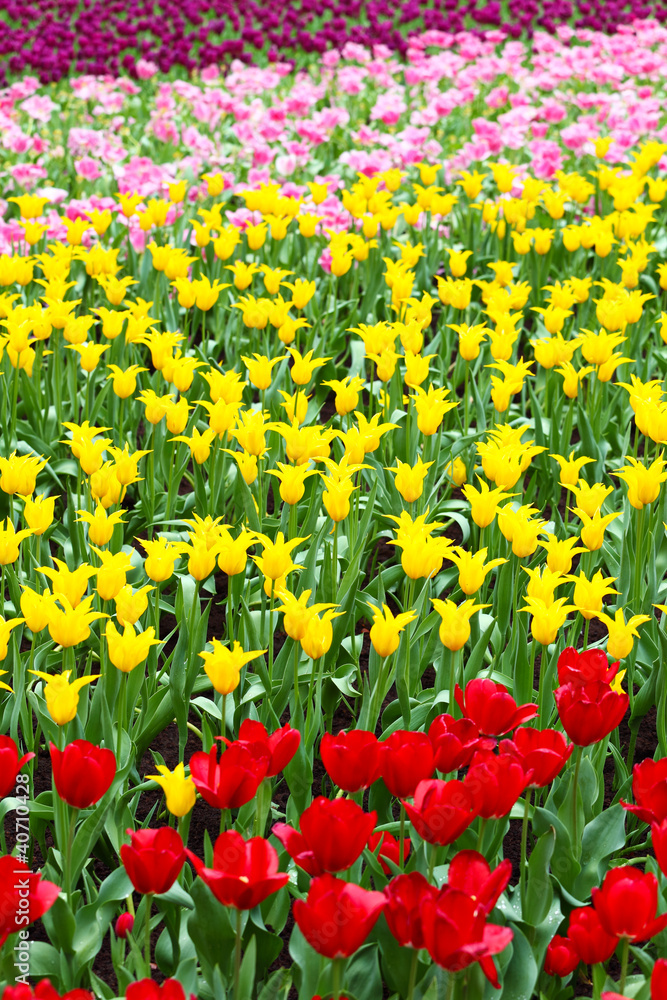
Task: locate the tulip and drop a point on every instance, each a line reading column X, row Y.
column 42, row 991
column 406, row 758
column 279, row 746
column 231, row 781
column 456, row 933
column 148, row 989
column 112, row 574
column 659, row 838
column 589, row 712
column 333, row 835
column 38, row 513
column 469, row 871
column 62, row 698
column 388, row 847
column 659, row 980
column 244, row 872
column 649, row 787
column 543, row 752
column 351, row 759
column 495, row 783
column 455, row 625
column 620, row 640
column 404, row 896
column 484, row 502
column 153, row 859
column 585, row 667
column 454, row 742
column 124, row 925
column 10, row 764
column 223, row 666
column 70, row 625
column 318, row 636
column 180, row 792
column 131, row 604
column 6, row 628
column 442, row 810
column 128, row 650
column 36, row 608
column 337, row 917
column 82, row 772
column 626, row 904
column 10, row 541
column 491, row 707
column 386, row 628
column 24, row 893
column 561, row 958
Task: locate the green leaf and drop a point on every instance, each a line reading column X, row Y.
column 539, row 890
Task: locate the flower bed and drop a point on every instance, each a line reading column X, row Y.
column 332, row 526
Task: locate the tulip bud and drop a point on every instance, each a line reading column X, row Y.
column 124, row 925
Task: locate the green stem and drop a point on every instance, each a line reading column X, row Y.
column 334, row 564
column 121, row 716
column 524, row 850
column 575, row 786
column 625, row 953
column 237, row 955
column 413, row 974
column 68, row 857
column 336, row 977
column 431, row 863
column 401, row 849
column 147, row 933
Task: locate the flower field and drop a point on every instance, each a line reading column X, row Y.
column 333, row 523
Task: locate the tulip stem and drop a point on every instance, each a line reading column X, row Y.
column 68, row 856
column 401, row 849
column 147, row 933
column 625, row 952
column 465, row 399
column 480, row 835
column 575, row 790
column 237, row 955
column 524, row 849
column 336, row 976
column 431, row 864
column 413, row 974
column 270, row 642
column 121, row 715
column 334, row 564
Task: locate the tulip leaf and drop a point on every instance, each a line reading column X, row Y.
column 210, row 929
column 362, row 975
column 601, row 838
column 521, row 972
column 539, row 889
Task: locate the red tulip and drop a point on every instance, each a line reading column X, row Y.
column 613, row 996
column 659, row 838
column 234, row 779
column 586, row 667
column 10, row 765
column 244, row 872
column 456, row 933
column 333, row 834
column 442, row 810
column 589, row 712
column 148, row 989
column 470, row 872
column 404, row 895
column 390, row 848
column 495, row 783
column 659, row 980
column 352, row 760
column 337, row 916
column 454, row 742
column 42, row 991
column 649, row 787
column 82, row 772
column 627, row 902
column 153, row 859
column 561, row 958
column 280, row 746
column 405, row 759
column 490, row 706
column 589, row 937
column 124, row 925
column 23, row 894
column 542, row 751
